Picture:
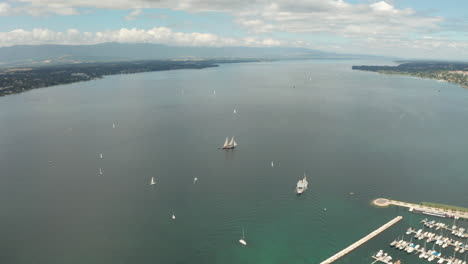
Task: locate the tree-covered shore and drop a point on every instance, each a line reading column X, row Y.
column 454, row 72
column 18, row 80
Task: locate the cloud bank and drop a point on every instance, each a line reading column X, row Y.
column 377, row 27
column 159, row 35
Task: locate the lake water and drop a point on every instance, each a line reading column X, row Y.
column 350, row 131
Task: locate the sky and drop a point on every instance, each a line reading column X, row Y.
column 432, row 29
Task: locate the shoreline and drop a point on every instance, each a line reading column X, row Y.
column 455, row 73
column 16, row 81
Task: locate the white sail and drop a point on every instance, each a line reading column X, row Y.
column 100, row 155
column 300, row 184
column 232, row 142
column 242, row 240
column 272, row 164
column 235, row 144
column 235, row 112
column 214, row 92
column 100, row 171
column 153, row 182
column 226, row 142
column 195, row 180
column 113, row 125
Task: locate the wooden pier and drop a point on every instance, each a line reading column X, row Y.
column 383, row 202
column 362, row 241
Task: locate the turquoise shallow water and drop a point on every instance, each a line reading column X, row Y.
column 350, row 131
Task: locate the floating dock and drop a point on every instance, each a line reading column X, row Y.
column 459, row 232
column 362, row 241
column 431, row 237
column 434, row 211
column 426, row 254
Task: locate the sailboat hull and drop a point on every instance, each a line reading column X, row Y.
column 228, row 147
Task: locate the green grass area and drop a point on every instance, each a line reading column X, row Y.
column 445, row 206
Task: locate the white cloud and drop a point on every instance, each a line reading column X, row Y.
column 338, row 18
column 264, row 16
column 383, row 7
column 256, row 25
column 160, row 35
column 377, row 27
column 133, row 14
column 5, row 9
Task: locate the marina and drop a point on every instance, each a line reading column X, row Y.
column 438, row 239
column 423, row 252
column 361, row 241
column 446, row 247
column 454, row 230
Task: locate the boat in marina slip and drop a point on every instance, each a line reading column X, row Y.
column 302, row 185
column 229, row 144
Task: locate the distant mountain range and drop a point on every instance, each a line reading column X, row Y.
column 64, row 54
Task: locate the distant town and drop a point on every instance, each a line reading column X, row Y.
column 454, row 72
column 18, row 80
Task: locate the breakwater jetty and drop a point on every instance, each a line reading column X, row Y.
column 418, row 208
column 361, row 241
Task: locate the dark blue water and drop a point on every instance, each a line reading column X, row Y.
column 350, row 131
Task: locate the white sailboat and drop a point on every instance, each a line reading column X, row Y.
column 242, row 240
column 229, row 144
column 302, row 185
column 173, row 216
column 195, row 180
column 153, row 182
column 101, row 156
column 100, row 171
column 272, row 164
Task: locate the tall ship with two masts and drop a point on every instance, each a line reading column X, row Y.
column 302, row 185
column 229, row 144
